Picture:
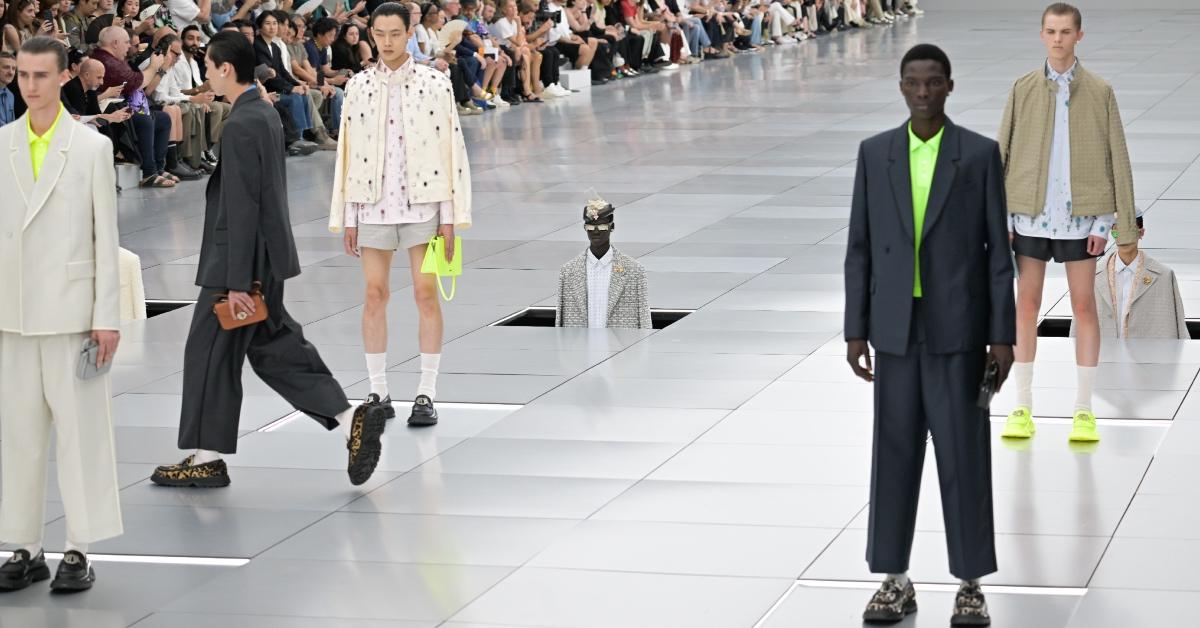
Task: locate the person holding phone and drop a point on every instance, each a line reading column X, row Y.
column 929, row 286
column 58, row 334
column 418, row 186
column 22, row 23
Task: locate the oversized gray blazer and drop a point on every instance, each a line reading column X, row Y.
column 1157, row 309
column 628, row 298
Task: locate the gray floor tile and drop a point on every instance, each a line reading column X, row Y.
column 291, row 450
column 746, row 551
column 1111, row 608
column 199, row 620
column 589, row 599
column 1159, row 564
column 605, row 423
column 365, row 590
column 769, row 464
column 271, row 489
column 433, row 493
column 817, row 606
column 425, row 539
column 553, row 458
column 1024, row 560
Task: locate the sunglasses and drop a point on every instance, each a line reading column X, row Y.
column 608, row 227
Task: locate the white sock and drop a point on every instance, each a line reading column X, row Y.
column 82, row 548
column 1083, row 394
column 429, row 373
column 900, row 578
column 33, row 548
column 377, row 370
column 204, row 455
column 1022, row 375
column 345, row 419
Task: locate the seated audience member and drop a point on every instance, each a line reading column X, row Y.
column 601, row 60
column 293, row 94
column 153, row 127
column 324, row 32
column 494, row 64
column 185, row 13
column 1137, row 297
column 76, row 23
column 347, row 53
column 512, row 37
column 8, row 99
column 295, row 61
column 293, row 143
column 541, row 33
column 313, row 75
column 202, row 115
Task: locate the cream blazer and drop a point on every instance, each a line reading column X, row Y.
column 434, row 150
column 58, row 236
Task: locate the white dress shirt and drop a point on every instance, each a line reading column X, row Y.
column 599, row 276
column 1125, row 274
column 1056, row 220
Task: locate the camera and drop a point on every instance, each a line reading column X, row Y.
column 545, row 14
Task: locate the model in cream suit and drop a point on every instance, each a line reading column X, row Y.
column 59, row 272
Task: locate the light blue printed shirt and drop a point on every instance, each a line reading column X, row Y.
column 1056, row 220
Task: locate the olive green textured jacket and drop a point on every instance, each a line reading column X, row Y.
column 1101, row 175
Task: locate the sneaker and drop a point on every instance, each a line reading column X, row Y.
column 423, row 412
column 1019, row 425
column 464, row 110
column 891, row 603
column 187, row 474
column 74, row 574
column 389, row 412
column 498, row 102
column 559, row 90
column 22, row 570
column 970, row 608
column 483, row 104
column 1084, row 428
column 364, row 446
column 918, row 11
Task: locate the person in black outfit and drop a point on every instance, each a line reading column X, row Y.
column 929, row 285
column 248, row 243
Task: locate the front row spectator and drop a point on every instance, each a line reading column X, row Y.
column 8, row 98
column 153, row 127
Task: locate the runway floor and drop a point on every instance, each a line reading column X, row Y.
column 709, row 475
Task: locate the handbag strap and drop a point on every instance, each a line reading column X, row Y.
column 442, row 288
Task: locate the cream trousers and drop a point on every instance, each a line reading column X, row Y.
column 39, row 392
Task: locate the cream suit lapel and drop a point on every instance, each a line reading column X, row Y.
column 52, row 167
column 22, row 165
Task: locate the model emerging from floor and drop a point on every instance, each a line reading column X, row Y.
column 602, row 287
column 60, row 175
column 248, row 248
column 401, row 179
column 929, row 286
column 1068, row 177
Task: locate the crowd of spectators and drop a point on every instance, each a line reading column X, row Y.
column 138, row 74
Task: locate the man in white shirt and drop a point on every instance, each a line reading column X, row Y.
column 197, row 108
column 602, row 287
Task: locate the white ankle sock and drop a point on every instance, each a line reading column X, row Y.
column 345, row 419
column 1083, row 394
column 900, row 578
column 33, row 549
column 204, row 455
column 377, row 370
column 429, row 373
column 82, row 548
column 1022, row 375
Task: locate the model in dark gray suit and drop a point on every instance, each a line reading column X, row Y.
column 932, row 350
column 248, row 239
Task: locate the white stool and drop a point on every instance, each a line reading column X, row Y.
column 128, row 176
column 576, row 79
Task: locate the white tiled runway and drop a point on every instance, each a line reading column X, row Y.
column 710, row 475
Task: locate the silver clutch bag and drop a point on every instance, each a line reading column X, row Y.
column 86, row 367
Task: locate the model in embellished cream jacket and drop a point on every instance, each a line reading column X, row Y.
column 1101, row 175
column 434, row 151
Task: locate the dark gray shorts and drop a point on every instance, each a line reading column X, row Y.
column 1046, row 249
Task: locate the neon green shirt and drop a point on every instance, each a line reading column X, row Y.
column 39, row 145
column 922, row 158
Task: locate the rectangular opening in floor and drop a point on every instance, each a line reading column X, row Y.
column 1060, row 327
column 542, row 316
column 154, row 307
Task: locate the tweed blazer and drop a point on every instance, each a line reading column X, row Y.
column 1101, row 175
column 1156, row 310
column 58, row 235
column 628, row 298
column 435, row 153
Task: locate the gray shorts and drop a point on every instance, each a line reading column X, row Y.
column 395, row 237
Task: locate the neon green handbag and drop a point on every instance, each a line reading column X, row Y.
column 435, row 263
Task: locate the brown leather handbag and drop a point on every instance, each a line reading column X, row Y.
column 243, row 318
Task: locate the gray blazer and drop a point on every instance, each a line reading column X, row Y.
column 1157, row 308
column 628, row 298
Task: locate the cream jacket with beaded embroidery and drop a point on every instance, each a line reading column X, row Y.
column 435, row 154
